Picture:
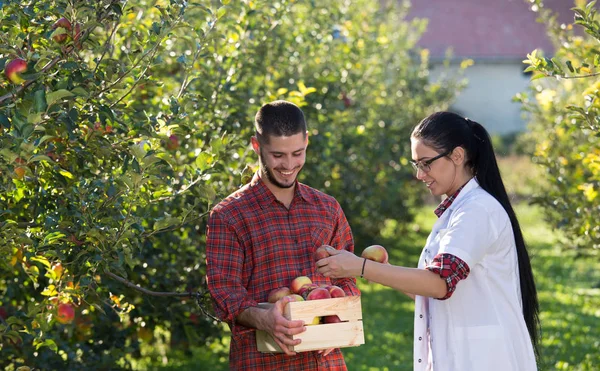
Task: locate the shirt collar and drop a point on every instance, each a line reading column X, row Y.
column 448, row 201
column 266, row 197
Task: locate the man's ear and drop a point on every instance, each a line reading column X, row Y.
column 458, row 155
column 255, row 144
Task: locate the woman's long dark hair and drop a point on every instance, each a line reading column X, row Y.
column 445, row 131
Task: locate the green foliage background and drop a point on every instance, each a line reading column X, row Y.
column 129, row 131
column 565, row 125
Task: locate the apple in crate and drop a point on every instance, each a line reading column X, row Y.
column 298, row 282
column 277, row 294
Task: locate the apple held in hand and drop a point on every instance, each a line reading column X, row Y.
column 13, row 70
column 279, row 293
column 376, row 253
column 321, row 252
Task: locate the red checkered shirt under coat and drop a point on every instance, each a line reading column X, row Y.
column 254, row 245
column 450, row 267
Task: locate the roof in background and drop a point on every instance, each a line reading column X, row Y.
column 485, row 29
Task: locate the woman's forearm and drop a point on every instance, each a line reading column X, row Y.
column 408, row 280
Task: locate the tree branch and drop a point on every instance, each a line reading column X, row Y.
column 146, row 291
column 196, row 295
column 575, row 77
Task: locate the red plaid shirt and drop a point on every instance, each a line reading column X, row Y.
column 254, row 245
column 450, row 267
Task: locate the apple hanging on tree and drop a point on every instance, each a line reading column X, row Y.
column 13, row 70
column 64, row 24
column 65, row 313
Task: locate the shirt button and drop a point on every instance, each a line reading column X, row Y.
column 420, row 316
column 420, row 338
column 419, row 360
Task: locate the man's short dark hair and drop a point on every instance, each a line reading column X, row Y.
column 279, row 118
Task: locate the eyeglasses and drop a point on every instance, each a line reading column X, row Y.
column 425, row 166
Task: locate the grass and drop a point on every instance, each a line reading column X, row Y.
column 570, row 305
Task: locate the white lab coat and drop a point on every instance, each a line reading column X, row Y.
column 481, row 326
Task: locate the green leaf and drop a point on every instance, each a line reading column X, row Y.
column 53, row 237
column 204, row 161
column 165, row 223
column 43, row 139
column 55, row 96
column 79, row 91
column 46, row 343
column 42, row 260
column 221, row 12
column 4, row 121
column 34, row 118
column 39, row 99
column 65, row 173
column 40, row 158
column 538, row 75
column 570, row 66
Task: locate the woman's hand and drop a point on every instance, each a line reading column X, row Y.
column 340, row 264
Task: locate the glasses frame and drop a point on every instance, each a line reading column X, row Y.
column 425, row 166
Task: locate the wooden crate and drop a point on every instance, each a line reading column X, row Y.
column 323, row 336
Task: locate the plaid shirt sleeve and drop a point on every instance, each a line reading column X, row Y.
column 342, row 239
column 451, row 268
column 225, row 259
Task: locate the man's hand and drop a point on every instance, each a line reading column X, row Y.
column 340, row 264
column 280, row 328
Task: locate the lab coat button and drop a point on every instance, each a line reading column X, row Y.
column 420, row 338
column 419, row 360
column 420, row 316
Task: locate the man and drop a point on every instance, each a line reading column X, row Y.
column 263, row 236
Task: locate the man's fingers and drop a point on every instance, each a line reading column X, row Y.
column 284, row 347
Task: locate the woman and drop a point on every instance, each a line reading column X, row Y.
column 476, row 304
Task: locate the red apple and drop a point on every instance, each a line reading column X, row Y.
column 66, row 25
column 376, row 253
column 298, row 282
column 58, row 270
column 277, row 294
column 318, row 294
column 173, row 142
column 331, row 319
column 306, row 289
column 336, row 291
column 3, row 313
column 65, row 313
column 77, row 35
column 13, row 70
column 321, row 252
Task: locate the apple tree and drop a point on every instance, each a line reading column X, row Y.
column 109, row 164
column 123, row 122
column 565, row 124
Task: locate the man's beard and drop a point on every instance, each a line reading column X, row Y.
column 269, row 174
